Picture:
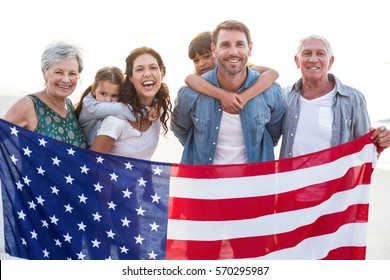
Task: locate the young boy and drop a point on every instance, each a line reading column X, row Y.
column 199, row 51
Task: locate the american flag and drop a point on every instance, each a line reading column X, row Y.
column 63, row 202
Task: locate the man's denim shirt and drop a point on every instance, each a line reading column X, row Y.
column 350, row 116
column 197, row 117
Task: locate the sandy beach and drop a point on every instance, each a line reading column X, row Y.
column 378, row 239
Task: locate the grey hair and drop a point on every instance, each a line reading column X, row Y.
column 316, row 37
column 61, row 50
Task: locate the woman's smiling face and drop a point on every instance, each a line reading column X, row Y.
column 146, row 78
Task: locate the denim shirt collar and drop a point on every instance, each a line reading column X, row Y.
column 340, row 87
column 251, row 78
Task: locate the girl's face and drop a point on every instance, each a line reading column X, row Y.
column 146, row 78
column 106, row 91
column 62, row 77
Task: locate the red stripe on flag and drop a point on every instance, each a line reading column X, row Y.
column 253, row 247
column 347, row 253
column 270, row 167
column 252, row 207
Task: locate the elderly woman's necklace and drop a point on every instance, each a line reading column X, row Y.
column 57, row 105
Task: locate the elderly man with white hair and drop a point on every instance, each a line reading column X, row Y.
column 322, row 112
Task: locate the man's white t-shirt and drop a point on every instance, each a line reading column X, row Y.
column 314, row 129
column 230, row 147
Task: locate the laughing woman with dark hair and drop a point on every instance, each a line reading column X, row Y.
column 142, row 89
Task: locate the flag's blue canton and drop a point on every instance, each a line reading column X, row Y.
column 62, row 202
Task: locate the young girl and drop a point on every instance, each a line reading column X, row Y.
column 100, row 100
column 143, row 87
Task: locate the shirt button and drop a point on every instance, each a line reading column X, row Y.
column 214, row 143
column 296, row 117
column 292, row 134
column 209, row 159
column 290, row 154
column 217, row 127
column 197, row 120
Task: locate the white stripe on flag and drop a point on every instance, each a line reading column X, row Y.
column 266, row 225
column 349, row 235
column 271, row 184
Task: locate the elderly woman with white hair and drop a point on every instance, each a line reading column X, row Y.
column 50, row 111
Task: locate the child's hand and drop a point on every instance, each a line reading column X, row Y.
column 231, row 103
column 153, row 114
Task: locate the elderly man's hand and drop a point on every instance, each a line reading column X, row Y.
column 381, row 135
